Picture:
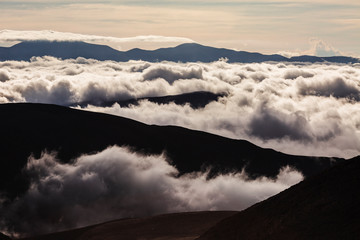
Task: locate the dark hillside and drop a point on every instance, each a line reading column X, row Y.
column 32, row 128
column 325, row 206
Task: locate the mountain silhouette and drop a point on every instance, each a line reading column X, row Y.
column 187, row 52
column 325, row 206
column 4, row 237
column 29, row 129
column 194, row 99
column 64, row 50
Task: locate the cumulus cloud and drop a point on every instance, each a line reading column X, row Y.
column 295, row 73
column 48, row 35
column 336, row 87
column 116, row 183
column 307, row 109
column 318, row 47
column 171, row 74
column 323, row 49
column 272, row 124
column 4, row 77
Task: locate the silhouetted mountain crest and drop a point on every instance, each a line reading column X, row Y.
column 194, row 99
column 4, row 237
column 187, row 52
column 70, row 132
column 63, row 50
column 325, row 206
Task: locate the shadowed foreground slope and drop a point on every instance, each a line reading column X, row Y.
column 31, row 128
column 177, row 226
column 4, row 237
column 325, row 206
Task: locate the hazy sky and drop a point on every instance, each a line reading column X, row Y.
column 313, row 27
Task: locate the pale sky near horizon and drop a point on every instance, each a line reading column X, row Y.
column 316, row 27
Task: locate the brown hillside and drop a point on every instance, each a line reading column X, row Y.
column 325, row 206
column 177, row 226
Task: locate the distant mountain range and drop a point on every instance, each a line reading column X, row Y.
column 70, row 132
column 188, row 52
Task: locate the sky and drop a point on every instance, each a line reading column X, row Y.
column 316, row 27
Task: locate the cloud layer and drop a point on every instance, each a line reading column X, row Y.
column 307, row 109
column 48, row 35
column 116, row 183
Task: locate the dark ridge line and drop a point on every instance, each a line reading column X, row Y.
column 187, row 52
column 71, row 133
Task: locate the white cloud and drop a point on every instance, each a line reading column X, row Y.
column 4, row 77
column 312, row 107
column 295, row 73
column 171, row 74
column 323, row 49
column 267, row 123
column 334, row 86
column 48, row 35
column 318, row 47
column 116, row 183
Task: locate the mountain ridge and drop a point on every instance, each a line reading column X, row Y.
column 324, row 206
column 198, row 99
column 71, row 132
column 176, row 226
column 187, row 52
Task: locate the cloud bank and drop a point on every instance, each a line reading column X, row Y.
column 48, row 35
column 116, row 183
column 306, row 109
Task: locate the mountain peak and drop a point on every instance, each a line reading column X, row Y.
column 190, row 45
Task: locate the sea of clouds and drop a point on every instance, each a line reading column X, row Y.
column 116, row 183
column 297, row 108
